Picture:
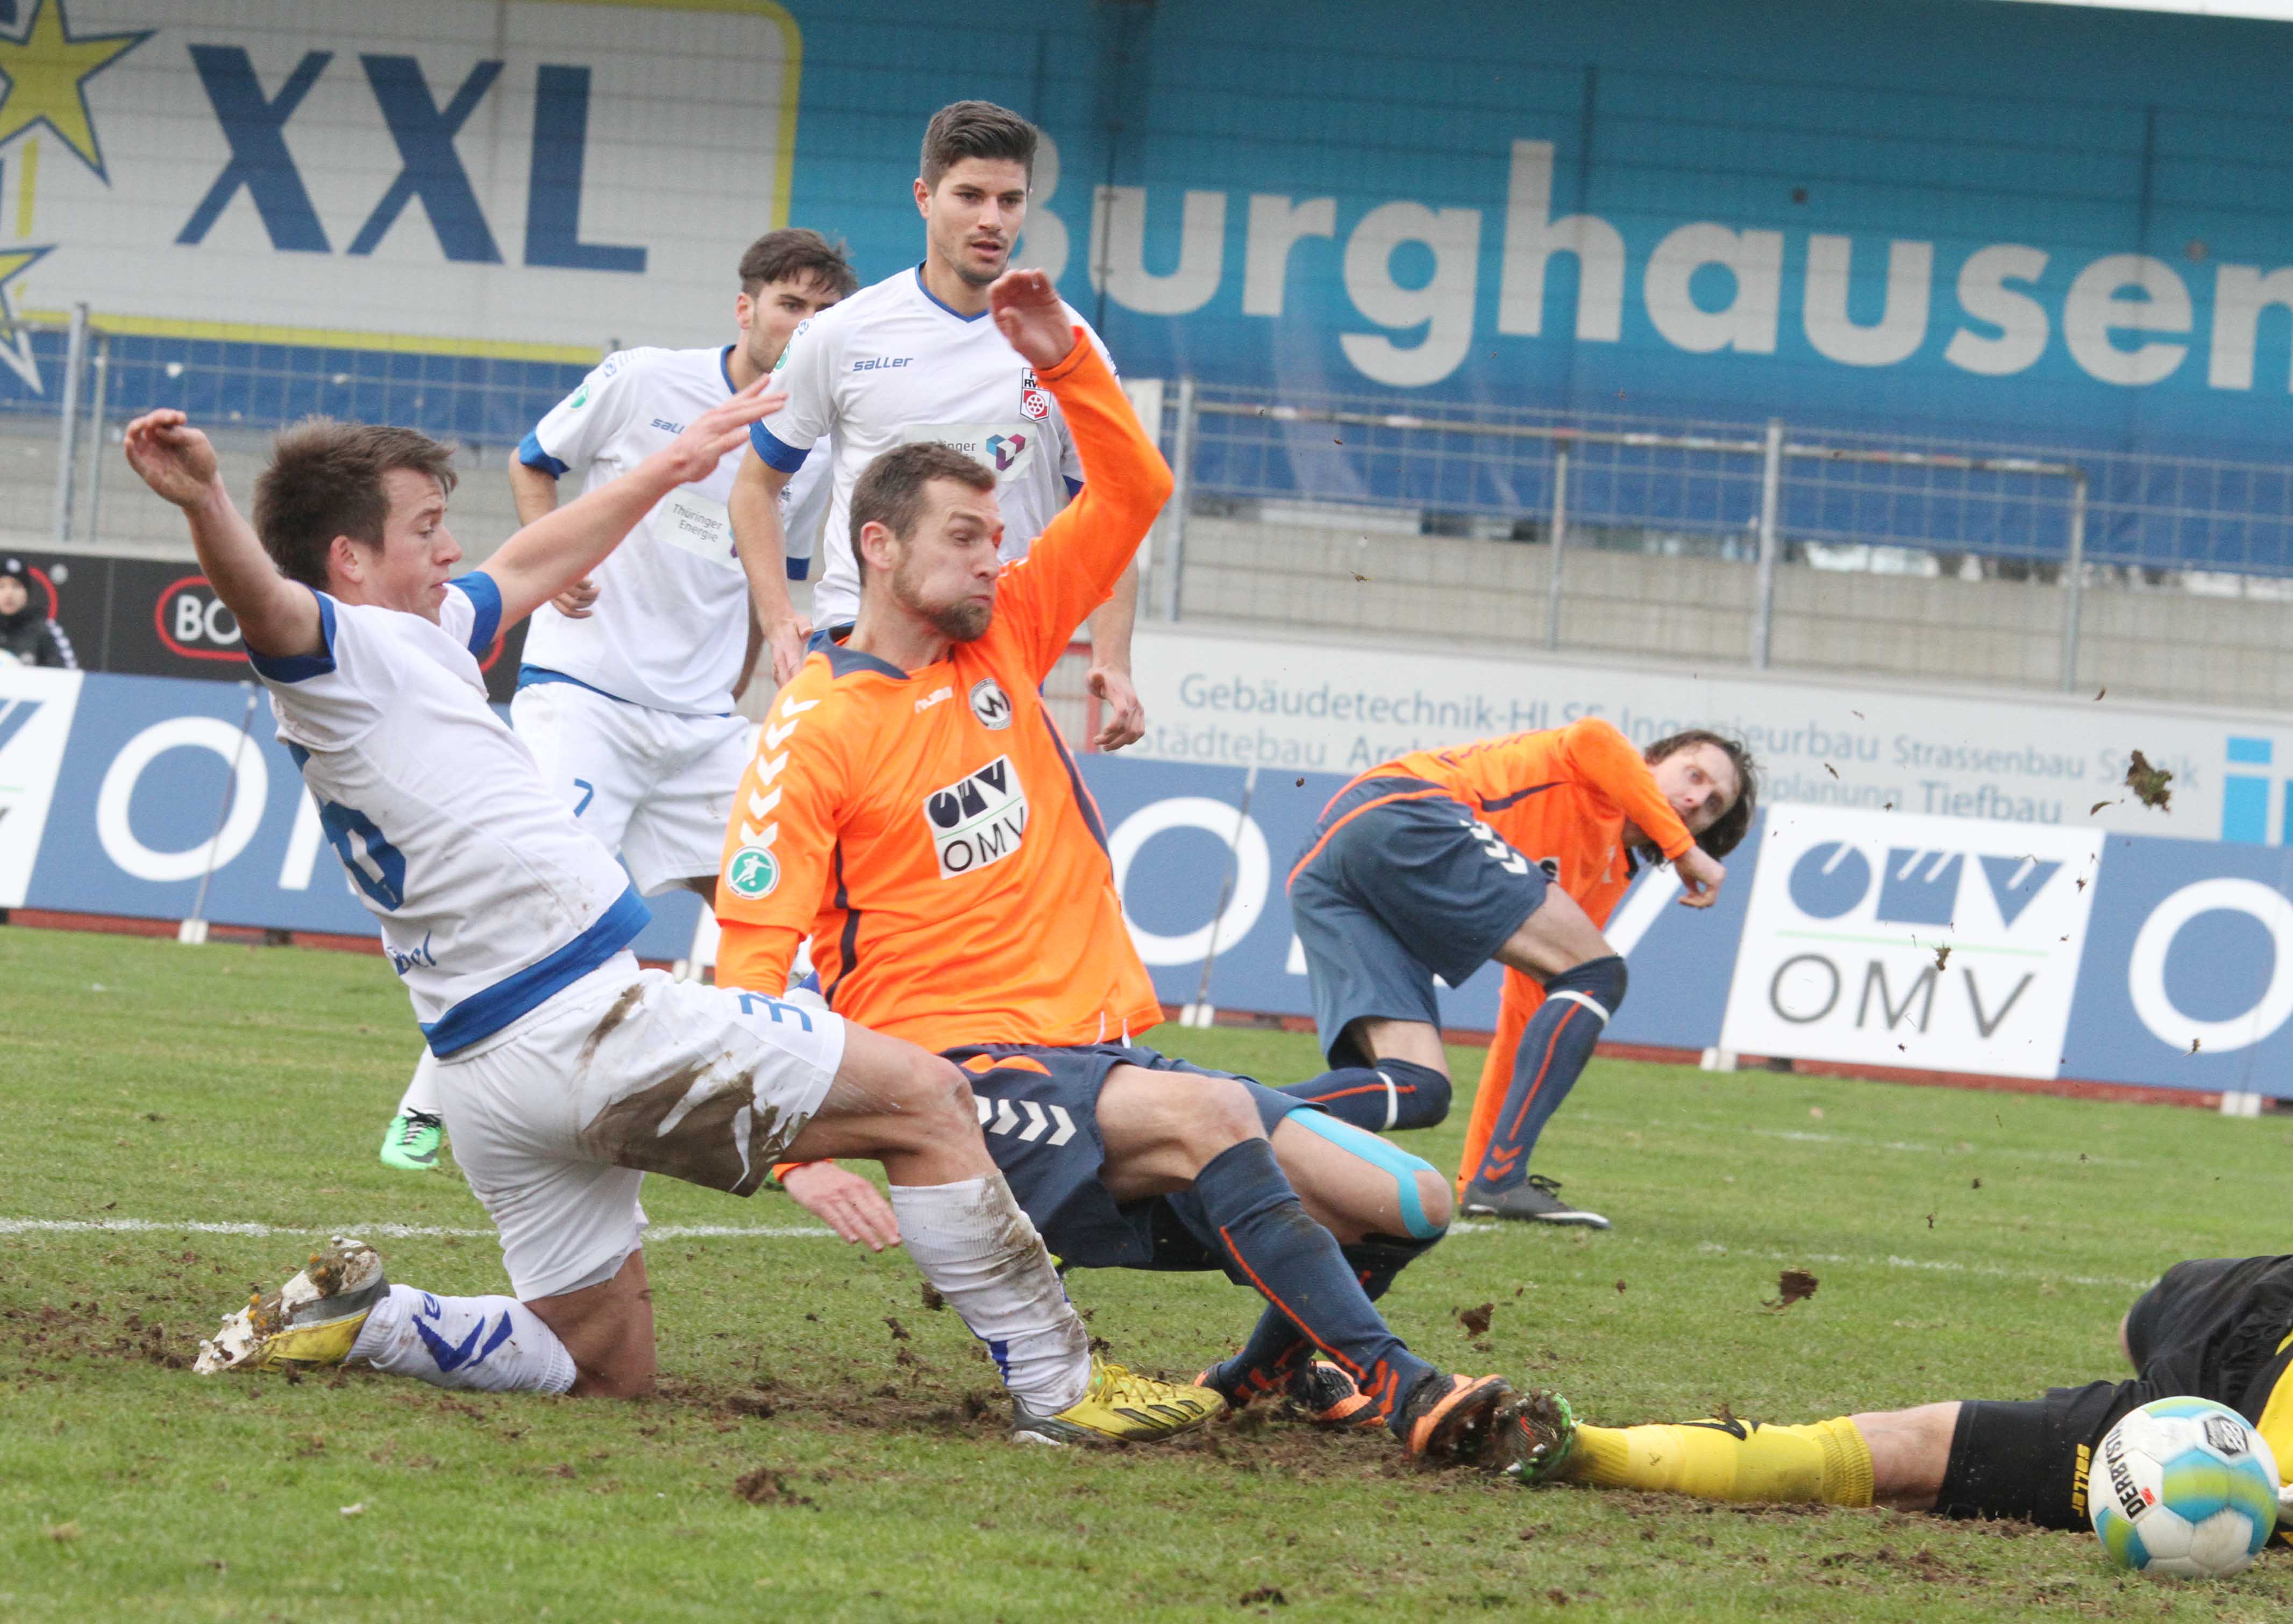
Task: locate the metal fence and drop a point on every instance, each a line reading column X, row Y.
column 1766, row 497
column 1780, row 530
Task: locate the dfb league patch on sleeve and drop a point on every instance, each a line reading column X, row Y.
column 753, row 872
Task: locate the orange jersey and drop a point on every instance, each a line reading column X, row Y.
column 1598, row 781
column 928, row 829
column 1560, row 798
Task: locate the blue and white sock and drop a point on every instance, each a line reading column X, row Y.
column 484, row 1344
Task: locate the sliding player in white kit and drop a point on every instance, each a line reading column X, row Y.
column 566, row 1071
column 915, row 358
column 627, row 690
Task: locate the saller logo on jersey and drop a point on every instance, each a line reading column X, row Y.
column 977, row 820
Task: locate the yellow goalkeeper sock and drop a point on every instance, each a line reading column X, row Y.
column 1729, row 1460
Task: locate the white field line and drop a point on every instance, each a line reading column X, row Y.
column 1928, row 1265
column 388, row 1231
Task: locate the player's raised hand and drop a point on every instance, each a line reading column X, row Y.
column 695, row 453
column 845, row 1202
column 1030, row 318
column 789, row 639
column 170, row 455
column 1125, row 717
column 1700, row 874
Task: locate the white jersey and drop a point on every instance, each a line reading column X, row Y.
column 670, row 622
column 803, row 511
column 892, row 365
column 491, row 898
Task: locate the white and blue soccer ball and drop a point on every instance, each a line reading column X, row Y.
column 2183, row 1487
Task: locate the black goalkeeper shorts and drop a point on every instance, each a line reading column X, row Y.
column 2210, row 1328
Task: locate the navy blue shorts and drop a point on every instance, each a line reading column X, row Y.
column 1398, row 895
column 1039, row 1113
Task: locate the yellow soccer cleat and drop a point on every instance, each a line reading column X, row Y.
column 1121, row 1406
column 312, row 1319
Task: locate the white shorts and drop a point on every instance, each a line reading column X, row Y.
column 655, row 786
column 558, row 1117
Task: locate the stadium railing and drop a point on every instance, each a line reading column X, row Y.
column 1759, row 544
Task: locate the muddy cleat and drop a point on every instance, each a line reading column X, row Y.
column 1452, row 1419
column 1537, row 1199
column 1323, row 1393
column 312, row 1319
column 1536, row 1433
column 412, row 1141
column 1120, row 1407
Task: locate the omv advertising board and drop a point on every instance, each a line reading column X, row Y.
column 1960, row 945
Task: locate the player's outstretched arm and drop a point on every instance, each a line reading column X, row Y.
column 1085, row 550
column 755, row 506
column 274, row 614
column 558, row 550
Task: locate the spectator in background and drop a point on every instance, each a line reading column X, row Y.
column 27, row 636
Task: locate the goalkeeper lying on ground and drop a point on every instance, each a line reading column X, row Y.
column 2219, row 1328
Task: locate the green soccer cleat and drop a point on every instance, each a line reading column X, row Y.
column 412, row 1143
column 1537, row 1435
column 314, row 1319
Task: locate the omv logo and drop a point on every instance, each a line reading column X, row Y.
column 1916, row 886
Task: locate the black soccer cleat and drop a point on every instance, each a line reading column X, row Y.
column 1537, row 1199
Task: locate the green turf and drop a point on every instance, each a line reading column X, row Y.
column 1967, row 1244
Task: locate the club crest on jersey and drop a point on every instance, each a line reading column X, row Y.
column 753, row 872
column 990, row 704
column 1032, row 400
column 977, row 820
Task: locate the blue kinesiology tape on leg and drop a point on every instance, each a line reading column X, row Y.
column 1388, row 1158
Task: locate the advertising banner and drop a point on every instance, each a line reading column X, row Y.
column 150, row 618
column 1942, row 943
column 1215, row 698
column 527, row 180
column 118, row 793
column 1887, row 938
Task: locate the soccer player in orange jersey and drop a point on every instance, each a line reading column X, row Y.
column 1516, row 849
column 912, row 810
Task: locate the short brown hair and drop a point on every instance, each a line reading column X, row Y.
column 976, row 129
column 787, row 256
column 1733, row 824
column 325, row 480
column 890, row 490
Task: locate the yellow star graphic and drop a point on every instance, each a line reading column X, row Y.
column 15, row 342
column 47, row 74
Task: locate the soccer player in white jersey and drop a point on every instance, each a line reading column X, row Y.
column 626, row 695
column 566, row 1071
column 915, row 357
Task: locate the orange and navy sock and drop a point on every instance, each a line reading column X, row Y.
column 1387, row 1095
column 1242, row 1205
column 1578, row 1006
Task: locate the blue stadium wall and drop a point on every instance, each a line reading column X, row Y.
column 2010, row 222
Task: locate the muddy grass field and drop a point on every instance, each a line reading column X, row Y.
column 182, row 1122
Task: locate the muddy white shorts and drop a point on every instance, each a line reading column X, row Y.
column 655, row 786
column 557, row 1118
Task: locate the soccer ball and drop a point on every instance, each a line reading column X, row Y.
column 2185, row 1487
